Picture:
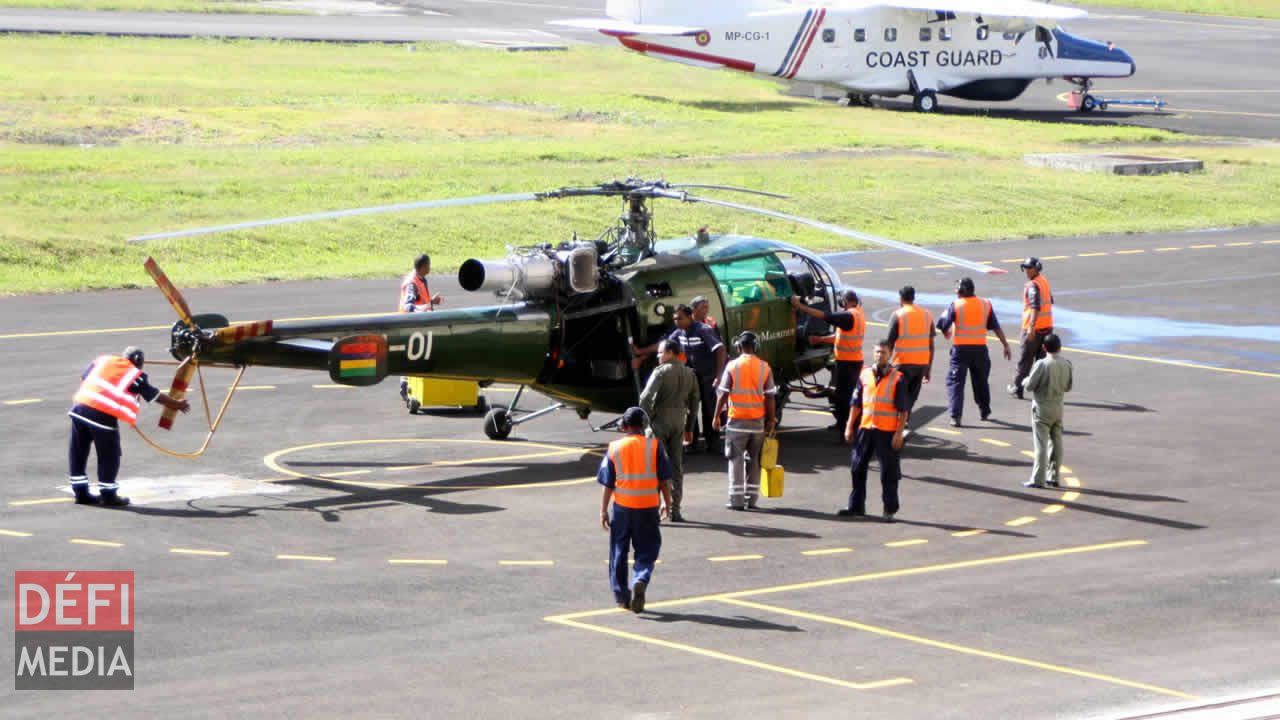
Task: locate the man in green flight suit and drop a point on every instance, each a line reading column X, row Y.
column 670, row 398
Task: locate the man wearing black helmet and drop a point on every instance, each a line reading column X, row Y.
column 972, row 317
column 1037, row 321
column 109, row 392
column 850, row 328
column 748, row 392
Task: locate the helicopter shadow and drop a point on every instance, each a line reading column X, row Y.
column 741, row 530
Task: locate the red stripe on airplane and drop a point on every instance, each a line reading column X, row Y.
column 808, row 41
column 647, row 47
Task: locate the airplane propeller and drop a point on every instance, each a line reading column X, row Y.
column 631, row 189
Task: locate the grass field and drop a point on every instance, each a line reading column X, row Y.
column 102, row 139
column 1239, row 8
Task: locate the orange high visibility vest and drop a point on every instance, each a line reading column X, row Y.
column 912, row 345
column 1044, row 321
column 106, row 388
column 971, row 315
column 878, row 410
column 424, row 296
column 635, row 465
column 849, row 342
column 746, row 398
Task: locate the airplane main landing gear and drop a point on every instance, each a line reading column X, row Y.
column 857, row 100
column 926, row 101
column 1088, row 103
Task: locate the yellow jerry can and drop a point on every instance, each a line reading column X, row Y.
column 771, row 481
column 433, row 392
column 769, row 453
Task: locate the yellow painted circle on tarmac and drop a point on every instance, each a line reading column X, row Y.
column 548, row 450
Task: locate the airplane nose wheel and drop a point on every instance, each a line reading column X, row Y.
column 497, row 424
column 926, row 101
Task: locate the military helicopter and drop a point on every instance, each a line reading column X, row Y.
column 567, row 314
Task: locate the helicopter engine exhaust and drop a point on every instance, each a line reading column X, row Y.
column 572, row 269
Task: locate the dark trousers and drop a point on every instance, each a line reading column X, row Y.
column 632, row 529
column 1032, row 350
column 973, row 361
column 913, row 376
column 107, row 442
column 707, row 398
column 880, row 443
column 846, row 377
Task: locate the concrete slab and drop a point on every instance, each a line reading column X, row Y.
column 1115, row 164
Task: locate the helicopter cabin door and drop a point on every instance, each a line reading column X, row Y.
column 756, row 295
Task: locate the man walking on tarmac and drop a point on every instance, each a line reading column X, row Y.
column 415, row 297
column 671, row 400
column 1037, row 321
column 1050, row 379
column 109, row 392
column 877, row 421
column 911, row 334
column 747, row 390
column 635, row 474
column 850, row 327
column 972, row 317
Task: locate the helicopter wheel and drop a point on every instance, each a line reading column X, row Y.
column 414, row 405
column 497, row 424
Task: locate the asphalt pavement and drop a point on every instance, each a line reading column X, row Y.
column 332, row 555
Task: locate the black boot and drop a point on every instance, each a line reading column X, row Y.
column 84, row 497
column 112, row 498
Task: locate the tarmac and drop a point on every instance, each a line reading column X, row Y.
column 332, row 555
column 1208, row 69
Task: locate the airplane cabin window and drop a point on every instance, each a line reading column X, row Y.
column 1010, row 36
column 860, row 35
column 944, row 34
column 891, row 34
column 828, row 35
column 1042, row 35
column 926, row 34
column 984, row 32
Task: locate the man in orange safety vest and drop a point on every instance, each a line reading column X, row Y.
column 877, row 421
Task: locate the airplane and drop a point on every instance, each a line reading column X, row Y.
column 567, row 315
column 987, row 50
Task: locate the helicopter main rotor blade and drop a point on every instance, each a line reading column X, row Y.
column 398, row 207
column 846, row 232
column 734, row 188
column 170, row 291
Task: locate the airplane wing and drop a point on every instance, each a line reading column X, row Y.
column 985, row 8
column 622, row 27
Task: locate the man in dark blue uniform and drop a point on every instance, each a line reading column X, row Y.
column 707, row 356
column 108, row 393
column 972, row 317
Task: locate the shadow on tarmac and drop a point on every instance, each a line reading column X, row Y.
column 729, row 106
column 740, row 622
column 746, row 531
column 1006, row 425
column 1042, row 498
column 1117, row 406
column 875, row 519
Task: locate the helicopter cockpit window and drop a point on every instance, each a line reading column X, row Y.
column 751, row 280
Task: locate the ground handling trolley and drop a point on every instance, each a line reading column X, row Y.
column 1085, row 102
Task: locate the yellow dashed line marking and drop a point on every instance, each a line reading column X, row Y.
column 1028, row 453
column 1051, row 509
column 1018, row 522
column 99, row 543
column 856, row 272
column 312, row 558
column 814, row 412
column 884, row 632
column 896, row 269
column 1092, row 254
column 416, row 561
column 1271, row 242
column 1129, row 252
column 333, row 387
column 1201, row 247
column 42, row 501
column 905, row 543
column 734, row 558
column 349, row 473
column 934, row 267
column 1238, row 244
column 255, row 387
column 1067, row 471
column 1168, row 249
column 992, row 441
column 14, row 533
column 968, row 533
column 208, row 553
column 26, row 401
column 944, row 431
column 1017, row 260
column 526, row 562
column 1055, row 257
column 1072, row 482
column 827, row 551
column 1070, row 496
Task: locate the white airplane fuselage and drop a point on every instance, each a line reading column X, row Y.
column 888, row 51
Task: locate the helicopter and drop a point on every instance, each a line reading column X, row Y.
column 567, row 316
